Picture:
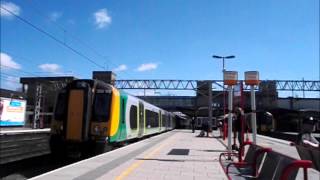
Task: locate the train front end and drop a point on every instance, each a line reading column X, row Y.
column 81, row 117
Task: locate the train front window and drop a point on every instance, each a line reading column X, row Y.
column 102, row 103
column 61, row 106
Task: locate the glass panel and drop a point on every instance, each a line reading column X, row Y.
column 101, row 109
column 133, row 117
column 61, row 106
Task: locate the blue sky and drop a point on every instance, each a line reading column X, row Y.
column 168, row 39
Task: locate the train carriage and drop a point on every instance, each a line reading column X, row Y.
column 91, row 112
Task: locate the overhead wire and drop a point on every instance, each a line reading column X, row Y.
column 9, row 80
column 65, row 31
column 53, row 37
column 85, row 44
column 10, row 75
column 17, row 82
column 19, row 70
column 55, row 73
column 61, row 42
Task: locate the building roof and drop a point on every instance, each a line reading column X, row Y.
column 28, row 80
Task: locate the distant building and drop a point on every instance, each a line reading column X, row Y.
column 50, row 87
column 299, row 103
column 266, row 96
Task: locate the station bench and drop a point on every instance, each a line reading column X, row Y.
column 309, row 153
column 262, row 163
column 249, row 165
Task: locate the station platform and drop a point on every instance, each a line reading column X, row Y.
column 20, row 143
column 177, row 154
column 22, row 130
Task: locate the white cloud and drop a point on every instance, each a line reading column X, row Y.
column 122, row 67
column 102, row 19
column 10, row 7
column 7, row 62
column 54, row 16
column 147, row 67
column 51, row 68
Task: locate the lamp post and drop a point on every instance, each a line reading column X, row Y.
column 223, row 58
column 224, row 94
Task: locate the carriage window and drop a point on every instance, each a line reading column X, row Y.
column 133, row 117
column 61, row 106
column 148, row 118
column 156, row 119
column 152, row 119
column 101, row 109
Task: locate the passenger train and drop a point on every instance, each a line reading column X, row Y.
column 90, row 114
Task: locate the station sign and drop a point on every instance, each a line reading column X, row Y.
column 251, row 77
column 12, row 112
column 230, row 77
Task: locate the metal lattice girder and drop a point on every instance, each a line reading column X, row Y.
column 157, row 84
column 281, row 85
column 298, row 85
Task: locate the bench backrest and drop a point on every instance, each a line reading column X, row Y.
column 269, row 166
column 250, row 153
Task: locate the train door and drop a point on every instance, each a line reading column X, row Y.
column 141, row 119
column 78, row 114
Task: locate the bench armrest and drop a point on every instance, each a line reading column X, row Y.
column 238, row 165
column 305, row 164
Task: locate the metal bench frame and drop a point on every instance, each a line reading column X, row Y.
column 286, row 167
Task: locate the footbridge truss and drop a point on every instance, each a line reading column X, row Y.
column 281, row 85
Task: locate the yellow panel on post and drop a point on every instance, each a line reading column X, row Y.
column 75, row 115
column 230, row 78
column 251, row 77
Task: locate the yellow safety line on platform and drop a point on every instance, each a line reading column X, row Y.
column 135, row 165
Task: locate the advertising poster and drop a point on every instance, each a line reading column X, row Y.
column 12, row 112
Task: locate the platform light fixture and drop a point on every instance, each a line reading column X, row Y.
column 223, row 58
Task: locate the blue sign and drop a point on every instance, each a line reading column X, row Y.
column 15, row 103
